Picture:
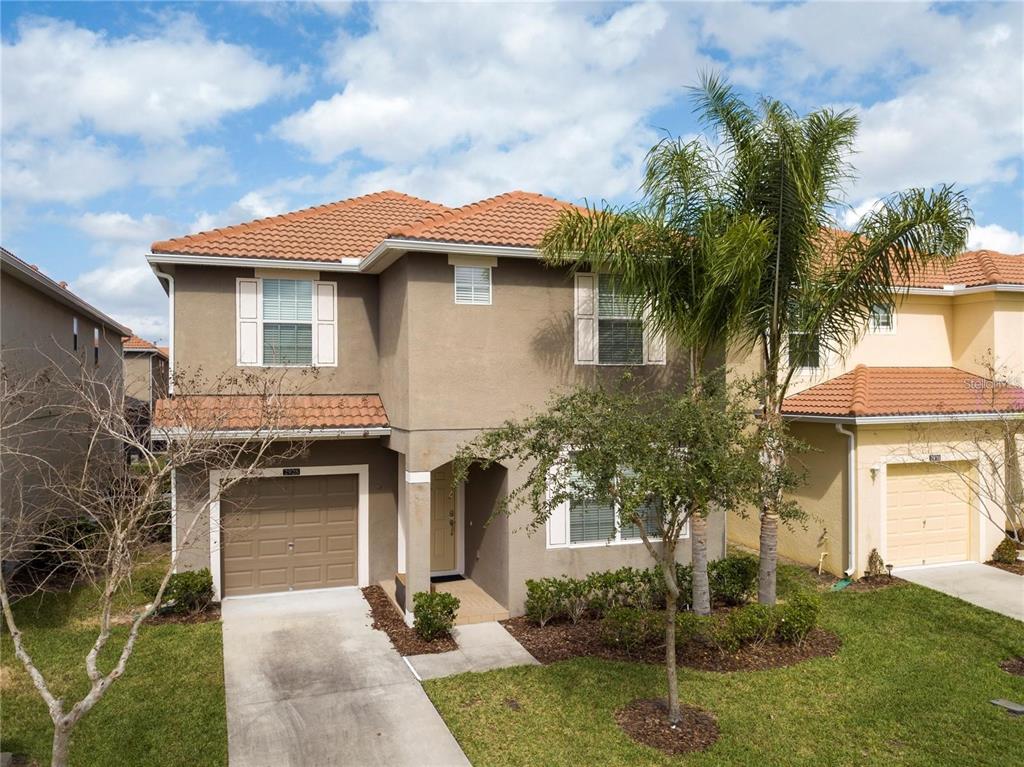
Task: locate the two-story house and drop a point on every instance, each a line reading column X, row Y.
column 426, row 324
column 145, row 370
column 46, row 333
column 894, row 424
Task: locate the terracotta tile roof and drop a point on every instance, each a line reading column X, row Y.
column 296, row 412
column 136, row 344
column 347, row 229
column 515, row 219
column 164, row 350
column 973, row 268
column 884, row 391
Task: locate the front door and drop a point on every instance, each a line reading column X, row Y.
column 442, row 521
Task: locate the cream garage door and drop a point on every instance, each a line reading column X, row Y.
column 290, row 533
column 928, row 514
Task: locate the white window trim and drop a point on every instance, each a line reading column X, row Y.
column 879, row 331
column 653, row 345
column 490, row 284
column 315, row 352
column 802, row 369
column 363, row 522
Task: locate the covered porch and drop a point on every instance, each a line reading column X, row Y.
column 475, row 604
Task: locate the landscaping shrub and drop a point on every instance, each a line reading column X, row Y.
column 630, row 629
column 187, row 592
column 745, row 625
column 876, row 567
column 575, row 594
column 545, row 600
column 690, row 626
column 433, row 614
column 1006, row 552
column 63, row 548
column 733, row 579
column 796, row 617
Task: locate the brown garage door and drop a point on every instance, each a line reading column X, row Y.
column 286, row 533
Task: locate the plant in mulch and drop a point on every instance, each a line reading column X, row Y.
column 876, row 567
column 1006, row 552
column 434, row 614
column 187, row 593
column 1013, row 666
column 387, row 618
column 646, row 722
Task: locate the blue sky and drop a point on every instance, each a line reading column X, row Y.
column 124, row 123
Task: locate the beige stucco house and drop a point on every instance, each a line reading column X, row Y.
column 902, row 428
column 44, row 328
column 425, row 324
column 145, row 370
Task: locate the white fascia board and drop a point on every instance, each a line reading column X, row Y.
column 342, row 265
column 227, row 434
column 389, row 250
column 878, row 420
column 963, row 290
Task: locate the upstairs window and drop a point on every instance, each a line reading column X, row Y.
column 283, row 322
column 96, row 346
column 804, row 351
column 74, row 334
column 473, row 285
column 620, row 335
column 881, row 320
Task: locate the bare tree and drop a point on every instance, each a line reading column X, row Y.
column 67, row 433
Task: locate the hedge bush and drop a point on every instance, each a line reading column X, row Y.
column 733, row 579
column 187, row 592
column 1006, row 551
column 796, row 617
column 545, row 600
column 630, row 629
column 433, row 614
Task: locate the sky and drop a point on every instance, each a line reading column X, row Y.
column 126, row 123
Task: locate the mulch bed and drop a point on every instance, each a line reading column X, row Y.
column 562, row 641
column 386, row 618
column 1013, row 666
column 211, row 613
column 1017, row 568
column 875, row 583
column 646, row 721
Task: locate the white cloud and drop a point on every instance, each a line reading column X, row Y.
column 995, row 237
column 251, row 206
column 852, row 215
column 551, row 97
column 117, row 227
column 69, row 172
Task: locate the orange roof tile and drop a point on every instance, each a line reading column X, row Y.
column 295, row 412
column 867, row 392
column 346, row 229
column 513, row 219
column 974, row 268
column 136, row 344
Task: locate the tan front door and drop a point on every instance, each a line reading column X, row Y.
column 442, row 521
column 928, row 515
column 290, row 533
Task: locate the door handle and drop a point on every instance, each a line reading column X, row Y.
column 291, row 545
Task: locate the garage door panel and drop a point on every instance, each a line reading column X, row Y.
column 927, row 522
column 317, row 515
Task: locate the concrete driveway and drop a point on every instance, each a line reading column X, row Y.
column 972, row 582
column 309, row 683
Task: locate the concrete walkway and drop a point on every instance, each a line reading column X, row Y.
column 482, row 647
column 309, row 682
column 972, row 582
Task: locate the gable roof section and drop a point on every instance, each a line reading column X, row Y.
column 514, row 219
column 872, row 392
column 297, row 412
column 141, row 345
column 973, row 268
column 346, row 229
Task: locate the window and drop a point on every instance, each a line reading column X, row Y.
column 287, row 322
column 881, row 319
column 620, row 335
column 96, row 346
column 473, row 285
column 74, row 334
column 804, row 351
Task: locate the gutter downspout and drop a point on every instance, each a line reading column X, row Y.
column 170, row 342
column 851, row 499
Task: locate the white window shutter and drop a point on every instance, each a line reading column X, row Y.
column 248, row 315
column 654, row 345
column 558, row 525
column 585, row 299
column 326, row 320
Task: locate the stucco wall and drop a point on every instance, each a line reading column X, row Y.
column 974, row 332
column 138, row 376
column 487, row 552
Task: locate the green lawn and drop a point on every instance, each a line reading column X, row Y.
column 910, row 686
column 168, row 708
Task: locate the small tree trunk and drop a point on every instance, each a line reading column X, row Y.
column 699, row 558
column 768, row 557
column 61, row 744
column 772, row 460
column 668, row 567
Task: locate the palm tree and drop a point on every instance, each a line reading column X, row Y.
column 668, row 252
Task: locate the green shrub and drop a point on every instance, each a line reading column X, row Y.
column 876, row 567
column 1006, row 551
column 63, row 548
column 575, row 594
column 433, row 614
column 545, row 600
column 733, row 579
column 795, row 618
column 746, row 625
column 187, row 592
column 690, row 626
column 630, row 629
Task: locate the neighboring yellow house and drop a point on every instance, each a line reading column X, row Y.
column 910, row 415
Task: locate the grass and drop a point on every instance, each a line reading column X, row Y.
column 168, row 708
column 910, row 686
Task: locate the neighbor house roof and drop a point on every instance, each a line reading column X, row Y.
column 346, row 229
column 868, row 392
column 31, row 275
column 972, row 269
column 516, row 219
column 141, row 345
column 294, row 412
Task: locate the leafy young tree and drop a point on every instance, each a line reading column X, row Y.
column 655, row 457
column 94, row 516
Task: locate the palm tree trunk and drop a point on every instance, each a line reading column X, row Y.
column 699, row 560
column 668, row 569
column 772, row 461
